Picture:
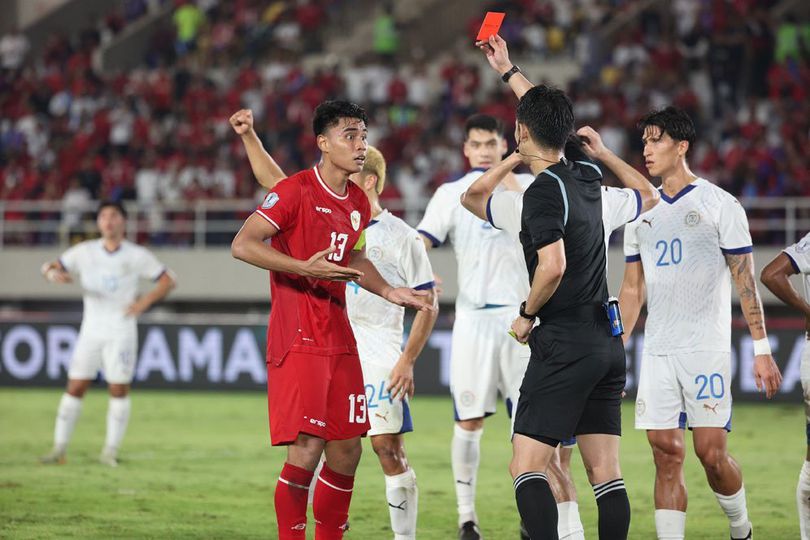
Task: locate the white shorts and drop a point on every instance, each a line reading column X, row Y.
column 112, row 352
column 804, row 373
column 698, row 383
column 485, row 360
column 387, row 416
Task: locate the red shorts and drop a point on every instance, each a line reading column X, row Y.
column 318, row 395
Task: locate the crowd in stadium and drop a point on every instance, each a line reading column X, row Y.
column 71, row 132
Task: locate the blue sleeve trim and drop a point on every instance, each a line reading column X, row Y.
column 164, row 270
column 426, row 286
column 489, row 212
column 793, row 262
column 633, row 258
column 433, row 240
column 638, row 205
column 737, row 251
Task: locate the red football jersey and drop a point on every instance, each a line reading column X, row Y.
column 309, row 315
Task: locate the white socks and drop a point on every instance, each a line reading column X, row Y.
column 737, row 512
column 67, row 414
column 803, row 500
column 117, row 420
column 670, row 524
column 569, row 526
column 465, row 456
column 402, row 496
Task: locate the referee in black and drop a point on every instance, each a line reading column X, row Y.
column 576, row 375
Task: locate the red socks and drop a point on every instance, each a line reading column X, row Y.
column 291, row 502
column 333, row 494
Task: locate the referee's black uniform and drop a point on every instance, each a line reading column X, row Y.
column 576, row 375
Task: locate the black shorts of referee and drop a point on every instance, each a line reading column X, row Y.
column 575, row 379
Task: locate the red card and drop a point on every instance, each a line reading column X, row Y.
column 491, row 25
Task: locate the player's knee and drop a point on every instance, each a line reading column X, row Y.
column 118, row 390
column 711, row 457
column 668, row 456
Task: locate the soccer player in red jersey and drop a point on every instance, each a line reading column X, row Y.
column 316, row 220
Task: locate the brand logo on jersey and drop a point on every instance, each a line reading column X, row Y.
column 375, row 254
column 802, row 246
column 323, row 210
column 692, row 218
column 355, row 217
column 707, row 407
column 641, row 407
column 647, row 221
column 270, row 201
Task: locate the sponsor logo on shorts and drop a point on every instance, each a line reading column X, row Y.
column 692, row 218
column 315, row 422
column 641, row 407
column 467, row 398
column 383, row 416
column 708, row 407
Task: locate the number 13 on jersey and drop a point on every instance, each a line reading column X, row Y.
column 339, row 243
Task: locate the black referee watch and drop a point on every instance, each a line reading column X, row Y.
column 508, row 75
column 524, row 314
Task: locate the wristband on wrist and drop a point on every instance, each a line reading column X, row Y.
column 524, row 314
column 508, row 75
column 762, row 346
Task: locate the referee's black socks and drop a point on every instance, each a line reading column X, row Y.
column 614, row 509
column 537, row 506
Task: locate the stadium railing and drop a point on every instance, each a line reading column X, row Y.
column 212, row 223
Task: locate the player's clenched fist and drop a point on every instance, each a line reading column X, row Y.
column 242, row 121
column 318, row 267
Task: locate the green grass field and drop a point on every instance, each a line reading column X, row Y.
column 199, row 465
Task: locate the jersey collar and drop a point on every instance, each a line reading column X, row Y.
column 681, row 193
column 327, row 188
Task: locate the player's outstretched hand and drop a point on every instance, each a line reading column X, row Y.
column 522, row 327
column 242, row 121
column 766, row 374
column 405, row 297
column 318, row 267
column 591, row 142
column 497, row 53
column 55, row 275
column 401, row 381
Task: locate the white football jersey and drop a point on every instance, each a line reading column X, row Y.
column 109, row 280
column 619, row 206
column 399, row 255
column 681, row 244
column 491, row 268
column 799, row 254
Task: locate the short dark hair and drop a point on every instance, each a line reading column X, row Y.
column 483, row 122
column 548, row 114
column 328, row 113
column 672, row 121
column 112, row 204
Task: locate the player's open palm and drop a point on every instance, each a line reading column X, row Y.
column 767, row 374
column 319, row 267
column 591, row 141
column 411, row 298
column 401, row 380
column 497, row 53
column 242, row 121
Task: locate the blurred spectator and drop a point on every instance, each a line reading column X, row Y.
column 386, row 36
column 14, row 47
column 187, row 18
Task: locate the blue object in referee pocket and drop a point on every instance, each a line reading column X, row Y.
column 614, row 315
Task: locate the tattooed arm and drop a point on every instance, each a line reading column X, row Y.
column 766, row 372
